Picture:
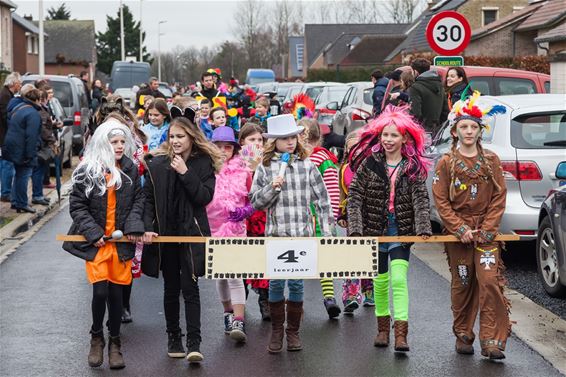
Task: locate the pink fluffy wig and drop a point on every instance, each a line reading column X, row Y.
column 413, row 150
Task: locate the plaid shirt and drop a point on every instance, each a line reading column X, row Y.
column 288, row 212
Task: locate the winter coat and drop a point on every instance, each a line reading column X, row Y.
column 159, row 188
column 378, row 94
column 155, row 135
column 5, row 96
column 147, row 91
column 231, row 192
column 89, row 215
column 23, row 138
column 288, row 211
column 368, row 201
column 97, row 95
column 429, row 103
column 48, row 138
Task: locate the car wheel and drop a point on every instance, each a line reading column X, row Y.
column 547, row 260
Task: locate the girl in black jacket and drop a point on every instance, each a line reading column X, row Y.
column 107, row 196
column 180, row 181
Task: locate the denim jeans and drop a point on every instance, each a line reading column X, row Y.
column 37, row 179
column 7, row 177
column 277, row 290
column 391, row 231
column 20, row 186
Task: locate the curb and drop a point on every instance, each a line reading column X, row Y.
column 16, row 232
column 540, row 329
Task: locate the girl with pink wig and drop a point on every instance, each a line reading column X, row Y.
column 388, row 197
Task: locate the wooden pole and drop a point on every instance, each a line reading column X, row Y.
column 190, row 239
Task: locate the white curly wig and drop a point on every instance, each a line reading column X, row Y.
column 98, row 159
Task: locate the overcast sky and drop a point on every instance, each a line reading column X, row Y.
column 189, row 22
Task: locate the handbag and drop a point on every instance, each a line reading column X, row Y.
column 46, row 153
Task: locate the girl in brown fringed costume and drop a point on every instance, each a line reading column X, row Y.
column 469, row 191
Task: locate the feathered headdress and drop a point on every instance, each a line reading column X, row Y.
column 469, row 109
column 302, row 106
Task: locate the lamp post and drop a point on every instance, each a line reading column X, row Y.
column 141, row 33
column 122, row 42
column 41, row 41
column 159, row 49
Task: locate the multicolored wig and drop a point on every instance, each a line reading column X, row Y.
column 99, row 159
column 413, row 150
column 302, row 106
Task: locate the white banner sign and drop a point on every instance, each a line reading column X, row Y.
column 289, row 258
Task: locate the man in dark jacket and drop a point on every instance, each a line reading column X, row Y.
column 22, row 142
column 379, row 86
column 84, row 78
column 428, row 100
column 152, row 89
column 12, row 85
column 208, row 89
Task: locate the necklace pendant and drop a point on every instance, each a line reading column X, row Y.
column 457, row 183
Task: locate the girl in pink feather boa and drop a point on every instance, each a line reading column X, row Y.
column 227, row 213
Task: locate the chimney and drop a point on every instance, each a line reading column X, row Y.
column 28, row 17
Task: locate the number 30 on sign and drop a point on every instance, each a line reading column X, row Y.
column 448, row 33
column 292, row 258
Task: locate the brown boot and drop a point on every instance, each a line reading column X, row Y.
column 493, row 353
column 294, row 316
column 277, row 311
column 464, row 348
column 383, row 329
column 115, row 358
column 96, row 354
column 401, row 330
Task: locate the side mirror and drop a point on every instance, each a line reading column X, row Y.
column 561, row 170
column 332, row 105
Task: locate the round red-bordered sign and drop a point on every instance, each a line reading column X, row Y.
column 448, row 33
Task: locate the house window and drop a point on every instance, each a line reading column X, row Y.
column 29, row 40
column 489, row 15
column 299, row 49
column 517, row 8
column 36, row 45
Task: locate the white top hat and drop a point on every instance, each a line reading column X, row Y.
column 281, row 126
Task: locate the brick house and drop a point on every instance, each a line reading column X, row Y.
column 479, row 13
column 555, row 39
column 70, row 48
column 6, row 28
column 515, row 34
column 25, row 39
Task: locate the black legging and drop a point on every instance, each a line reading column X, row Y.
column 106, row 292
column 397, row 253
column 177, row 278
column 126, row 295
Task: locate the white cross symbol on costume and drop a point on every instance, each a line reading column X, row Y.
column 487, row 258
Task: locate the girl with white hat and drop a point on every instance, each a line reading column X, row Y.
column 287, row 200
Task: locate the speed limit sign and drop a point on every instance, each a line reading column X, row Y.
column 448, row 33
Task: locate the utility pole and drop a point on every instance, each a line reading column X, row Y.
column 141, row 33
column 159, row 49
column 41, row 42
column 122, row 42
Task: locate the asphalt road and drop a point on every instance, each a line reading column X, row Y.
column 45, row 318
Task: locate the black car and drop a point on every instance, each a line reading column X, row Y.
column 551, row 238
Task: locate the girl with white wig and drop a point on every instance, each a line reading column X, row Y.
column 107, row 202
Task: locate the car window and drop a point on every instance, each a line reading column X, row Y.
column 539, row 131
column 352, row 97
column 511, row 86
column 292, row 92
column 62, row 91
column 347, row 97
column 58, row 111
column 481, row 84
column 367, row 96
column 82, row 95
column 443, row 136
column 547, row 86
column 314, row 92
column 336, row 94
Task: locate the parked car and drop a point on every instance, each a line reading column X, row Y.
column 496, row 81
column 329, row 94
column 255, row 76
column 126, row 74
column 354, row 110
column 283, row 88
column 128, row 95
column 551, row 238
column 311, row 89
column 529, row 139
column 70, row 92
column 64, row 134
column 165, row 90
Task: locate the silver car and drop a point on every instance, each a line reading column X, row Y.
column 354, row 110
column 530, row 140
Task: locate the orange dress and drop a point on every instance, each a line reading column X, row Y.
column 107, row 265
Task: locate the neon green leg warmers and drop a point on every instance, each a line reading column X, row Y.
column 399, row 268
column 381, row 294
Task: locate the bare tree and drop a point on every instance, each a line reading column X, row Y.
column 248, row 29
column 403, row 11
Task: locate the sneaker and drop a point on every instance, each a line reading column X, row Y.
column 228, row 319
column 193, row 351
column 351, row 305
column 368, row 299
column 175, row 344
column 238, row 332
column 332, row 308
column 126, row 316
column 41, row 201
